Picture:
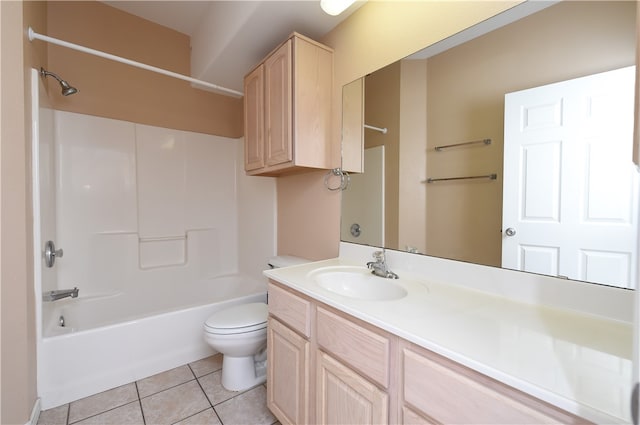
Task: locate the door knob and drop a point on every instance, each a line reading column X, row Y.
column 510, row 231
column 50, row 253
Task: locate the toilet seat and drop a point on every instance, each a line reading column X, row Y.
column 238, row 319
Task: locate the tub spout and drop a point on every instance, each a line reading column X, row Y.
column 59, row 294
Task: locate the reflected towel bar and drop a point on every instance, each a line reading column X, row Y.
column 485, row 141
column 381, row 130
column 488, row 176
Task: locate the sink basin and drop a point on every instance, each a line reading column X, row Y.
column 358, row 283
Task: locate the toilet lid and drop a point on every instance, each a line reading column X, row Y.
column 240, row 318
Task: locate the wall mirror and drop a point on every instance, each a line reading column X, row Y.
column 413, row 120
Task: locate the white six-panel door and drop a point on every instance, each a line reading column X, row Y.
column 570, row 187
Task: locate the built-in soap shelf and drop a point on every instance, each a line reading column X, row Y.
column 163, row 251
column 160, row 251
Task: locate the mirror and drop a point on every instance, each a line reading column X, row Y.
column 449, row 97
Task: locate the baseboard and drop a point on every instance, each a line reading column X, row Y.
column 35, row 413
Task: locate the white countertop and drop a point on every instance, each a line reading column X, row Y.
column 578, row 362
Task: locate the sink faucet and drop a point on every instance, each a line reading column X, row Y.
column 379, row 267
column 59, row 294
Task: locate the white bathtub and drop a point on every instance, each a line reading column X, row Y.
column 113, row 339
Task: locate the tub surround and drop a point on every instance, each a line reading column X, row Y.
column 532, row 337
column 152, row 222
column 164, row 188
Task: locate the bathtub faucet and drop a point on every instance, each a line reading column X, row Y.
column 59, row 294
column 379, row 267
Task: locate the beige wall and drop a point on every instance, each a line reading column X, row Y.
column 396, row 99
column 382, row 109
column 376, row 35
column 466, row 102
column 412, row 205
column 113, row 90
column 18, row 358
column 308, row 225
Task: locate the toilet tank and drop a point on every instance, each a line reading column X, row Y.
column 285, row 261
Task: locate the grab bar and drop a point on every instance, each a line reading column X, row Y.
column 485, row 141
column 488, row 176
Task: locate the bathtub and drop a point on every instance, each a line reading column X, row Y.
column 113, row 339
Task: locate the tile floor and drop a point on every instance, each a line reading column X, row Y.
column 187, row 395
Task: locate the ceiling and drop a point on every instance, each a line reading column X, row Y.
column 229, row 37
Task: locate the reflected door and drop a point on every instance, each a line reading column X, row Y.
column 569, row 207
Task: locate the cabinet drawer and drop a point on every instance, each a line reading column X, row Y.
column 364, row 350
column 450, row 393
column 290, row 309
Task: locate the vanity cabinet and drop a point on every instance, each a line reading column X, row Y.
column 324, row 367
column 327, row 367
column 287, row 109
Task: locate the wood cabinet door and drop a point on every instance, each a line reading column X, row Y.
column 278, row 102
column 312, row 90
column 346, row 398
column 287, row 374
column 254, row 120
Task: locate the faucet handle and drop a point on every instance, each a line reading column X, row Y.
column 379, row 256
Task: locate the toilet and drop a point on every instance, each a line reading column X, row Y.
column 240, row 334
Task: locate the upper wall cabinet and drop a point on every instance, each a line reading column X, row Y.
column 287, row 109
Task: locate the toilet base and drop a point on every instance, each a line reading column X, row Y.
column 241, row 373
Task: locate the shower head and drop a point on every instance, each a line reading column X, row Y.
column 67, row 90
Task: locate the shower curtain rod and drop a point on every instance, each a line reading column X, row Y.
column 35, row 36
